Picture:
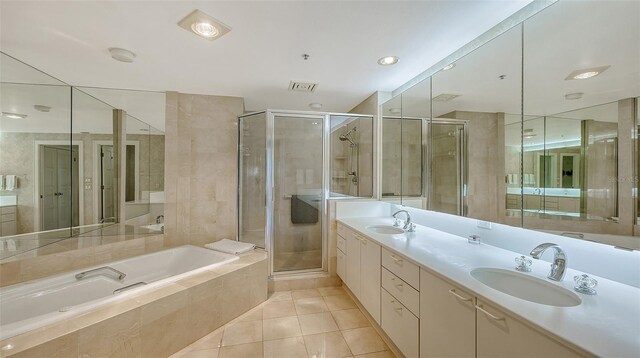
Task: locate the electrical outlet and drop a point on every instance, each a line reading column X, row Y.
column 484, row 224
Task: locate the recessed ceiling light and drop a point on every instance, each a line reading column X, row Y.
column 388, row 60
column 122, row 55
column 449, row 66
column 395, row 110
column 204, row 29
column 14, row 115
column 42, row 108
column 528, row 133
column 315, row 105
column 586, row 73
column 576, row 95
column 203, row 25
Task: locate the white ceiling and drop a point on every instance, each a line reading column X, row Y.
column 261, row 54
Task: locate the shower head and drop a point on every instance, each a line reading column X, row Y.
column 347, row 136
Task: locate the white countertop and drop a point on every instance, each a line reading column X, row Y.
column 8, row 200
column 607, row 324
column 570, row 193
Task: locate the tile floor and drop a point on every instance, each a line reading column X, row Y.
column 314, row 323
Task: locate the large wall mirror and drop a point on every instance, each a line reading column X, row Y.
column 475, row 99
column 57, row 164
column 535, row 128
column 580, row 85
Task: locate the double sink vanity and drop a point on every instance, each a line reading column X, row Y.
column 436, row 294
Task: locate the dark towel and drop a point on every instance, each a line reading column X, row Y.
column 302, row 212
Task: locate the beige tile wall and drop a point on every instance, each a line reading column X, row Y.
column 74, row 254
column 201, row 168
column 156, row 323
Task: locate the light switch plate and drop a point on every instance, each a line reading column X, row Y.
column 484, row 224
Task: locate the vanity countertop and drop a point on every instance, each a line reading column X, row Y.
column 8, row 200
column 607, row 324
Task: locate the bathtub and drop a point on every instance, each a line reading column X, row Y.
column 30, row 305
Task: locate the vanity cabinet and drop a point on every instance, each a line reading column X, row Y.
column 400, row 325
column 455, row 323
column 401, row 302
column 447, row 319
column 501, row 335
column 8, row 223
column 362, row 270
column 341, row 258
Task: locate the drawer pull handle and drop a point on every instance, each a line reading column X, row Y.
column 399, row 286
column 399, row 310
column 488, row 314
column 461, row 298
column 397, row 260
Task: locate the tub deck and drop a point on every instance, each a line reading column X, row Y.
column 157, row 321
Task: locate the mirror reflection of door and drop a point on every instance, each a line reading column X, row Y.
column 56, row 191
column 570, row 165
column 546, row 170
column 107, row 212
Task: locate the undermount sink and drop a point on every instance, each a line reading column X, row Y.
column 385, row 229
column 526, row 287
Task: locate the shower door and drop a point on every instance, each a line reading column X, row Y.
column 252, row 173
column 448, row 167
column 297, row 196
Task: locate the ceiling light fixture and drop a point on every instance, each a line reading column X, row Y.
column 42, row 108
column 449, row 66
column 14, row 115
column 576, row 95
column 122, row 55
column 586, row 73
column 388, row 60
column 203, row 25
column 528, row 133
column 315, row 105
column 204, row 29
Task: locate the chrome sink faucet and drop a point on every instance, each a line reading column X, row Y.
column 559, row 265
column 160, row 219
column 408, row 225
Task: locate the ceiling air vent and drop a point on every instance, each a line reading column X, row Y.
column 302, row 86
column 445, row 97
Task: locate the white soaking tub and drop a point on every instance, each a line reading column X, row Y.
column 30, row 305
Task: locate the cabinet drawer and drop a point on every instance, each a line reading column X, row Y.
column 399, row 266
column 8, row 228
column 7, row 217
column 343, row 231
column 341, row 266
column 399, row 289
column 342, row 244
column 400, row 325
column 8, row 209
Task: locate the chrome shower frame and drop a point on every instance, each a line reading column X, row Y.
column 269, row 244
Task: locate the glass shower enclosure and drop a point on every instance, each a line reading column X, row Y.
column 283, row 183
